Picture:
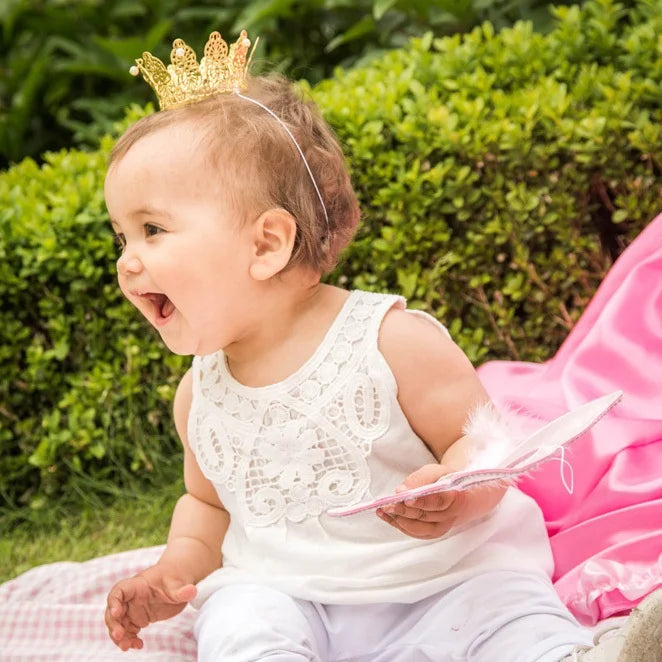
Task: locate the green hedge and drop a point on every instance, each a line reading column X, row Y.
column 86, row 387
column 499, row 175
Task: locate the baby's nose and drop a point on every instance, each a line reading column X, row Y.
column 128, row 264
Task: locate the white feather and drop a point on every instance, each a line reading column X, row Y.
column 492, row 435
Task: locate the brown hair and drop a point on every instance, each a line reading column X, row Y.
column 262, row 166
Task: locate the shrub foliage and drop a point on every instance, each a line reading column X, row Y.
column 499, row 174
column 63, row 63
column 85, row 385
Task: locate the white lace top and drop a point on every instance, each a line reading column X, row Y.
column 330, row 435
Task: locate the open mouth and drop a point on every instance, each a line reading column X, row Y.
column 163, row 307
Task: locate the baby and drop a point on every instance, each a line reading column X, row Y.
column 229, row 206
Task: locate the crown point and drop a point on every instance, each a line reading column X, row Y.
column 134, row 71
column 186, row 81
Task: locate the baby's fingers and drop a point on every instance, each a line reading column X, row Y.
column 117, row 612
column 122, row 627
column 113, row 618
column 431, row 508
column 122, row 594
column 115, row 606
column 131, row 642
column 414, row 528
column 176, row 592
column 127, row 643
column 433, row 502
column 125, row 637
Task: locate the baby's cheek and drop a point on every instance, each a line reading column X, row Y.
column 122, row 287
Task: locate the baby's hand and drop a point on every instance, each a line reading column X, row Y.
column 156, row 594
column 434, row 515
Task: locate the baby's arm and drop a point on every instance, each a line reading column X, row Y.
column 437, row 388
column 198, row 526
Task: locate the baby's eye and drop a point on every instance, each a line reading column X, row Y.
column 119, row 240
column 151, row 230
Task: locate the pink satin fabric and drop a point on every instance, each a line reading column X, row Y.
column 607, row 535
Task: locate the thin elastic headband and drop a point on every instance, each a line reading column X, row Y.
column 296, row 144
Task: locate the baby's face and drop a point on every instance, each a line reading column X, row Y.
column 184, row 259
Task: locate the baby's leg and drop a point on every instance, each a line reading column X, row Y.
column 498, row 616
column 524, row 620
column 243, row 622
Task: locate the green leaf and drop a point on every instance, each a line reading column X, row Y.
column 407, row 280
column 258, row 11
column 359, row 29
column 620, row 215
column 131, row 48
column 380, row 7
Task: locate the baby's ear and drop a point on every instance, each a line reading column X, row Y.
column 273, row 235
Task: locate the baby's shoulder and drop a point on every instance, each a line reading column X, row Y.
column 436, row 383
column 414, row 333
column 417, row 348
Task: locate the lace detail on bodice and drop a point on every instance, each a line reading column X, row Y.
column 291, row 450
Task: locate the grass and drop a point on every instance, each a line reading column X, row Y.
column 83, row 531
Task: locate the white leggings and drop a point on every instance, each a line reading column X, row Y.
column 495, row 617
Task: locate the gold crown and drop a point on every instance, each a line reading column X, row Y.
column 184, row 81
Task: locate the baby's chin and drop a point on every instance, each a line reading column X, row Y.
column 181, row 348
column 188, row 346
column 177, row 343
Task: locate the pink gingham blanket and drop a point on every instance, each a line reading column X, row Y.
column 55, row 613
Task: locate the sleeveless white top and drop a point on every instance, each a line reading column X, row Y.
column 333, row 434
